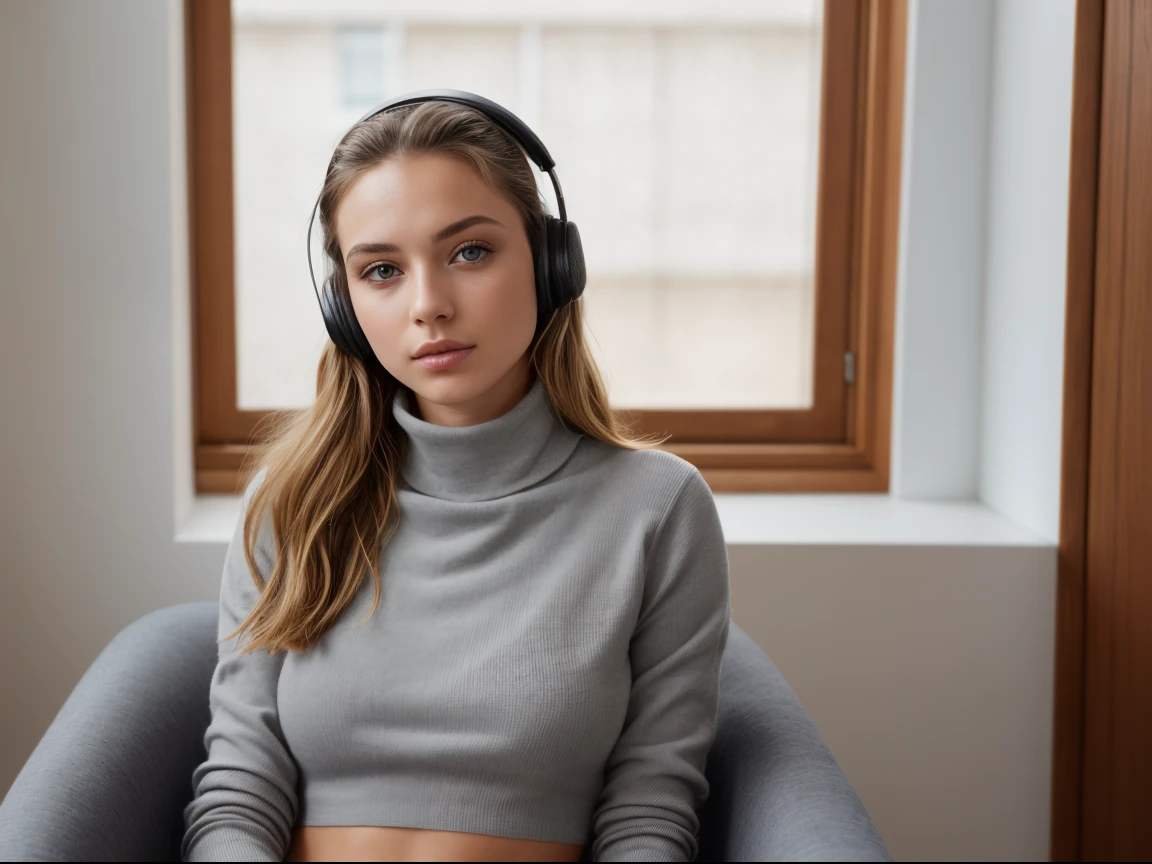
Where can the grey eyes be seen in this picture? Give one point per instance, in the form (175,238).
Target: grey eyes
(475,258)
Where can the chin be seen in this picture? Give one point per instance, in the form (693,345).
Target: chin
(448,388)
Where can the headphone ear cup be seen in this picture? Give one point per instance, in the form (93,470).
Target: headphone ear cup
(343,327)
(540,268)
(565,257)
(577,271)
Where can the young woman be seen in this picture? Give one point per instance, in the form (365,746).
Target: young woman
(532,672)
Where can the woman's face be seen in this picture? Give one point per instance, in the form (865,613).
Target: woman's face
(415,275)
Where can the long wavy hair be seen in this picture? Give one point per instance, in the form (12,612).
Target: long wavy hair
(330,471)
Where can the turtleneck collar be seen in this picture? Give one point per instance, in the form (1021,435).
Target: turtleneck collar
(487,460)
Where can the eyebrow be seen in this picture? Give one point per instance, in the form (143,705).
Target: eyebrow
(443,234)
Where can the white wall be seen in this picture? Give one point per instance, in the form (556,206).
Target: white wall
(983,231)
(86,441)
(928,668)
(1027,227)
(936,404)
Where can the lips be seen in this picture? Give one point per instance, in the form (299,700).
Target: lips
(445,359)
(429,348)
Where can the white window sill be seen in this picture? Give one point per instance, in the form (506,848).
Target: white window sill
(770,520)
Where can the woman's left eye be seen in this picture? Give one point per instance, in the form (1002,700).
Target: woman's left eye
(474,247)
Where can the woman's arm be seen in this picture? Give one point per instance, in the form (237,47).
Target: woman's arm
(654,778)
(244,794)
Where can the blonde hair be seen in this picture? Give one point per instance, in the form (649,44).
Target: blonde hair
(331,469)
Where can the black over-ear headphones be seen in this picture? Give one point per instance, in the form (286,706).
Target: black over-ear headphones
(558,262)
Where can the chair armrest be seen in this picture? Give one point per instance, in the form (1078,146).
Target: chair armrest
(110,778)
(777,793)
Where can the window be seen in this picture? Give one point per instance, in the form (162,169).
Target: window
(732,167)
(368,60)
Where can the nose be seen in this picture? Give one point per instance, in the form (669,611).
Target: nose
(431,293)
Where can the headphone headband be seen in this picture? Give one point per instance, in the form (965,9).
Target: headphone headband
(498,114)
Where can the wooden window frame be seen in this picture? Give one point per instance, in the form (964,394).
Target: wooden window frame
(840,444)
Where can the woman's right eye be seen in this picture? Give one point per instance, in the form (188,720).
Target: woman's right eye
(376,268)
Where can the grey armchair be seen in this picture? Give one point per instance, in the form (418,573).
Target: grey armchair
(110,778)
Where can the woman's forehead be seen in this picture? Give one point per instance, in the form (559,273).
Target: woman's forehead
(416,196)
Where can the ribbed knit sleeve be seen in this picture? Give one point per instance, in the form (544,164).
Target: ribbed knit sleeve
(654,777)
(244,793)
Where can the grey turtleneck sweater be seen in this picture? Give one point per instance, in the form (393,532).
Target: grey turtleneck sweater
(544,662)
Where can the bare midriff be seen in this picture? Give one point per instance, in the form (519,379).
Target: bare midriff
(370,843)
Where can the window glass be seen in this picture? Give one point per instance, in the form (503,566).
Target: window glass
(686,139)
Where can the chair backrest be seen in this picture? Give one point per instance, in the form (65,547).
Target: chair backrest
(776,792)
(110,778)
(112,775)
